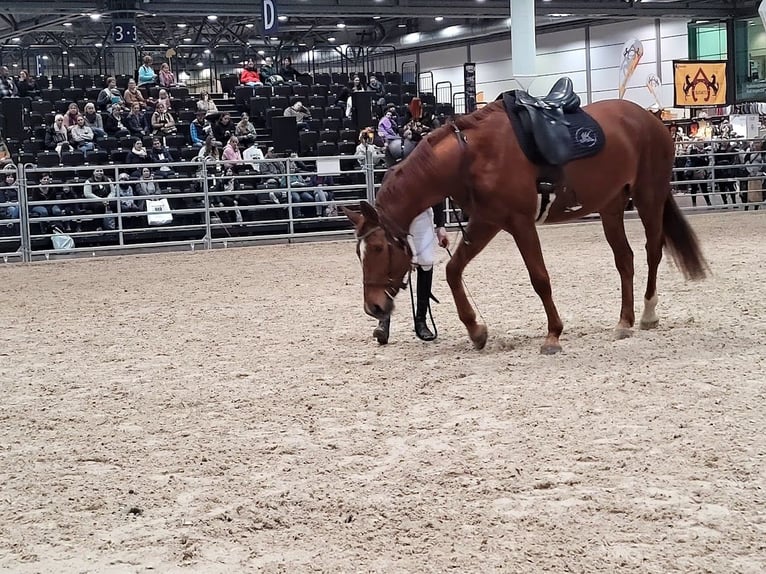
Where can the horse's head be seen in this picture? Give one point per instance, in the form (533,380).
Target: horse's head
(386,260)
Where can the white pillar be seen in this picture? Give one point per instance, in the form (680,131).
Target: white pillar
(762,12)
(523,45)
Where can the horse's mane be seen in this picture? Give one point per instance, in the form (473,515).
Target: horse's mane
(422,163)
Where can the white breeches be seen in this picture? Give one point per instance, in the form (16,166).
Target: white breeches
(423,239)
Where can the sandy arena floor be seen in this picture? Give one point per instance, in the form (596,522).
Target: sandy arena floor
(229,412)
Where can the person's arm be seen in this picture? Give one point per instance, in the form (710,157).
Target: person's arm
(156,123)
(439,220)
(87,191)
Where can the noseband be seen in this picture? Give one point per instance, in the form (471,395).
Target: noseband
(391,286)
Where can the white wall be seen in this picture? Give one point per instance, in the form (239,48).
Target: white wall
(565,54)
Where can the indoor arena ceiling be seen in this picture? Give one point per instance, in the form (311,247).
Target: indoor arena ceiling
(313,22)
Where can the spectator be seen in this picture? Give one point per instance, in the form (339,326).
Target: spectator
(146,75)
(163,123)
(27,86)
(72,113)
(94,121)
(7,85)
(9,193)
(137,123)
(231,155)
(223,129)
(161,154)
(137,154)
(164,98)
(198,130)
(209,150)
(44,192)
(125,193)
(133,95)
(245,131)
(99,189)
(356,84)
(82,136)
(287,71)
(146,185)
(109,96)
(300,113)
(57,136)
(254,155)
(387,129)
(206,103)
(269,73)
(249,75)
(376,86)
(114,125)
(167,79)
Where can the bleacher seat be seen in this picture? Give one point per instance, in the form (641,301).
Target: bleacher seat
(176,141)
(323,78)
(61,82)
(328,136)
(271,113)
(51,95)
(118,155)
(43,83)
(393,77)
(242,96)
(285,90)
(229,83)
(308,141)
(258,106)
(315,124)
(99,81)
(317,112)
(97,157)
(47,159)
(346,148)
(332,124)
(122,81)
(280,102)
(339,77)
(325,148)
(73,94)
(42,107)
(92,94)
(61,106)
(319,90)
(333,112)
(263,91)
(348,135)
(82,81)
(189,153)
(179,93)
(72,158)
(305,79)
(317,101)
(302,91)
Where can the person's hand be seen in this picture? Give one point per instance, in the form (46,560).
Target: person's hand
(441,236)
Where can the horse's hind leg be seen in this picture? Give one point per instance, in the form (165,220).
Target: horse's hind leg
(652,218)
(613,223)
(477,235)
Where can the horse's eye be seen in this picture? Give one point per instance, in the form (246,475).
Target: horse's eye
(377,248)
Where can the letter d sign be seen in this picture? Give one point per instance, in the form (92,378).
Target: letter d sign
(270,16)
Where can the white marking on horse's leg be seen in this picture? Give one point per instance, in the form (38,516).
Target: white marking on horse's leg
(649,318)
(362,250)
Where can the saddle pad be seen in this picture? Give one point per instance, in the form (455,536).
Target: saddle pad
(586,138)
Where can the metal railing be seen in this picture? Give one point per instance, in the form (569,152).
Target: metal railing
(201,205)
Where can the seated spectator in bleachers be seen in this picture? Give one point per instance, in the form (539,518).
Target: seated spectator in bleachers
(161,154)
(27,85)
(137,122)
(133,95)
(326,197)
(7,85)
(300,113)
(164,98)
(269,75)
(146,75)
(206,103)
(356,84)
(223,129)
(57,136)
(253,155)
(387,129)
(209,150)
(94,121)
(146,185)
(44,192)
(198,130)
(163,123)
(231,154)
(245,131)
(109,96)
(287,71)
(99,189)
(82,137)
(376,86)
(9,193)
(70,118)
(249,75)
(167,79)
(115,123)
(126,194)
(137,154)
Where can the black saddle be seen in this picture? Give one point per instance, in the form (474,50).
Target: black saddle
(552,130)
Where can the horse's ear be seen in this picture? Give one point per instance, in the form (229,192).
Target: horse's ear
(369,212)
(355,217)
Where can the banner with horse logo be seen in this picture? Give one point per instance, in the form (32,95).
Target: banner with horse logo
(699,83)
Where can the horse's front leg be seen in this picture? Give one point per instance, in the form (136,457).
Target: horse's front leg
(525,234)
(612,220)
(477,235)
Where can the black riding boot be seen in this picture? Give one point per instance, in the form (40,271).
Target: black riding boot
(425,279)
(381,331)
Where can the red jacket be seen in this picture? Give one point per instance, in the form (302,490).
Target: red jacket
(249,76)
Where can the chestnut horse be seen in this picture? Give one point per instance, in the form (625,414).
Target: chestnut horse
(479,163)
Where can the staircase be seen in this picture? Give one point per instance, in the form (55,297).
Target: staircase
(263,135)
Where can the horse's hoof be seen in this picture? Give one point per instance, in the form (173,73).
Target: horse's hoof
(646,325)
(622,333)
(479,337)
(549,349)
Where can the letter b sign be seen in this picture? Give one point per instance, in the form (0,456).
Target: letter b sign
(270,22)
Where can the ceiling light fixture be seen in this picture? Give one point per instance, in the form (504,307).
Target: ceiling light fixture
(212,17)
(331,39)
(340,25)
(181,25)
(439,18)
(207,50)
(200,64)
(67,24)
(95,16)
(282,18)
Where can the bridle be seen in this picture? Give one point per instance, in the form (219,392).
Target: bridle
(391,286)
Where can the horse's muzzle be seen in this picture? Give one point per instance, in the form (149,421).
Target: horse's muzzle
(378,311)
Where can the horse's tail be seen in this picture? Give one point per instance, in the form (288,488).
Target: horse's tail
(682,242)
